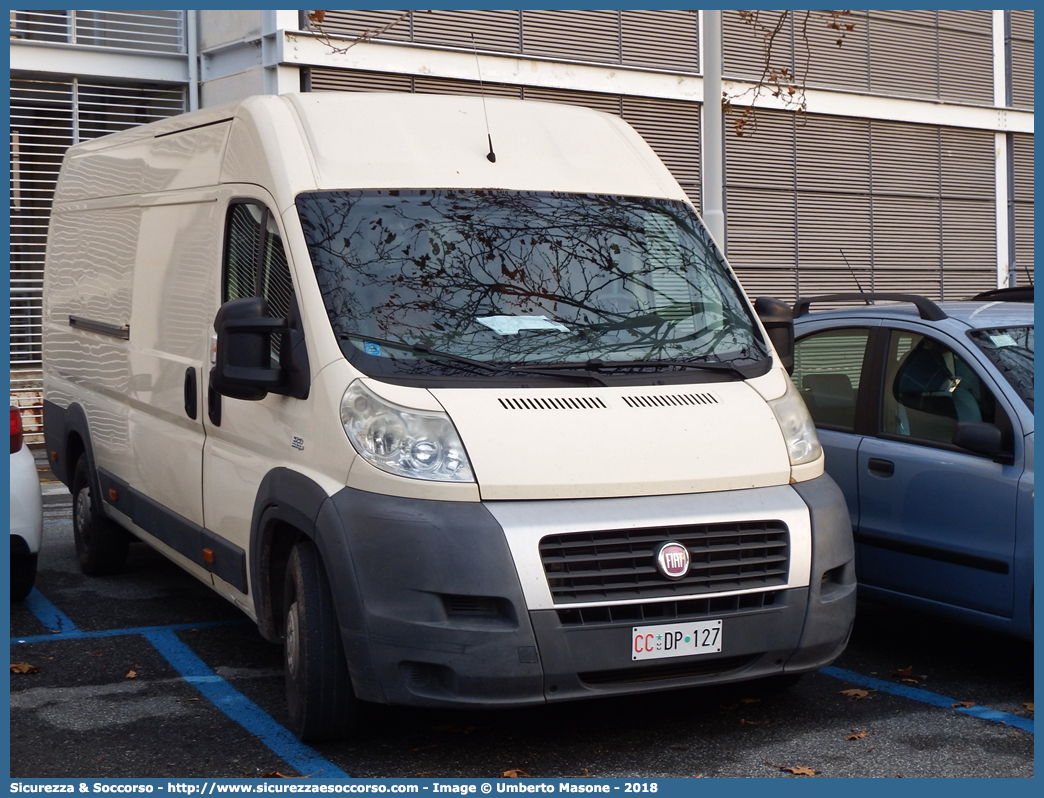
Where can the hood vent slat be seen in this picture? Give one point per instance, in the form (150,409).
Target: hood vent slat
(671,400)
(553,403)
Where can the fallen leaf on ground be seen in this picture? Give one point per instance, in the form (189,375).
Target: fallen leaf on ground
(800,771)
(855,693)
(23,667)
(965,704)
(585,773)
(754,722)
(131,675)
(909,681)
(1028,706)
(856,735)
(275,774)
(514,773)
(907,671)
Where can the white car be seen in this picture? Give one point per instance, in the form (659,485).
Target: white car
(26,512)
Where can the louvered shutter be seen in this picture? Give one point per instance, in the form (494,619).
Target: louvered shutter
(844,66)
(47,116)
(326,79)
(608,103)
(969,223)
(966,56)
(660,40)
(470,88)
(905,184)
(592,36)
(1022,58)
(494,31)
(387,25)
(901,54)
(834,222)
(1024,226)
(743,46)
(153,31)
(761,207)
(672,128)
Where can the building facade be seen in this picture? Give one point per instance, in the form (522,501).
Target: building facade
(909,165)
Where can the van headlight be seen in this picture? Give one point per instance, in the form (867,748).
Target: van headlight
(408,443)
(798,429)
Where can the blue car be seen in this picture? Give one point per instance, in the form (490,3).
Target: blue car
(925,411)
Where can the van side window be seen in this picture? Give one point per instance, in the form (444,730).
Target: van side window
(255,261)
(827,366)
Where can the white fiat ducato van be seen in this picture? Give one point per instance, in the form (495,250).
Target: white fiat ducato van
(458,425)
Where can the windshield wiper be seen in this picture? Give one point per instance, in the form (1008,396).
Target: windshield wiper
(479,364)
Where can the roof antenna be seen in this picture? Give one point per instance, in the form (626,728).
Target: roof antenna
(490,156)
(854,277)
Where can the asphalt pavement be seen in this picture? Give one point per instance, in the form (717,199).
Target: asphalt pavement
(150,674)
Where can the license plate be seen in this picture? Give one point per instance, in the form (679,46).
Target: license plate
(676,640)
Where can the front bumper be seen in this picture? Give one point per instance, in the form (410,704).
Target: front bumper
(437,607)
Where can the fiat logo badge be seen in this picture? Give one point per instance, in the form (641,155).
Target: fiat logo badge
(673,560)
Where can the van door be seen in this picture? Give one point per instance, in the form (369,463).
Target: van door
(245,439)
(175,290)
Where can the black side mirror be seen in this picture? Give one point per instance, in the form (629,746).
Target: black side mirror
(979,437)
(778,319)
(245,367)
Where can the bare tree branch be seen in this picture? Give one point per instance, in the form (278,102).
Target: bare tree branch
(779,78)
(316,18)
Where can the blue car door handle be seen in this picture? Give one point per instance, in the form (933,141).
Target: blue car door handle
(883,468)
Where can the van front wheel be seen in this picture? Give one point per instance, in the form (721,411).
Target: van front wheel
(319,693)
(101,545)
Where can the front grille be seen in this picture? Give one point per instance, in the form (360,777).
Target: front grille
(683,610)
(620,565)
(657,673)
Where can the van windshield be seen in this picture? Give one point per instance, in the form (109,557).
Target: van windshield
(422,281)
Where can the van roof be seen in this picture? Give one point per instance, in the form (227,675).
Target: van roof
(357,140)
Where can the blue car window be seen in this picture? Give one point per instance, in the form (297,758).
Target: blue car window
(827,366)
(929,389)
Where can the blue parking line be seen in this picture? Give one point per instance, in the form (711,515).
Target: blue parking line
(196,672)
(241,709)
(49,615)
(927,697)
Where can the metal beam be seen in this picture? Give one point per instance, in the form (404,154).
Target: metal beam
(98,62)
(305,49)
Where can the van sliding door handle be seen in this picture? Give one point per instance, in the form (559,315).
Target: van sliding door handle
(190,393)
(883,468)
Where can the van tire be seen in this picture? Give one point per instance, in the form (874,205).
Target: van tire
(321,703)
(101,544)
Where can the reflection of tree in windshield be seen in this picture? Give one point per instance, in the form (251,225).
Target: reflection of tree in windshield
(511,277)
